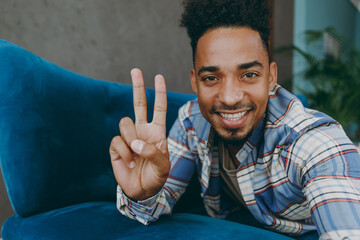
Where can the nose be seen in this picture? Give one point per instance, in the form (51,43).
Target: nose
(230,92)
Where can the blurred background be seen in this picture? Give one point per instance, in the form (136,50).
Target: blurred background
(106,39)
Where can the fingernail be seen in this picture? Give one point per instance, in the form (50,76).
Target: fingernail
(114,155)
(132,164)
(137,146)
(135,71)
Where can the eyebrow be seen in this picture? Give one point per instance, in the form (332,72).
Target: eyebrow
(208,69)
(239,67)
(250,65)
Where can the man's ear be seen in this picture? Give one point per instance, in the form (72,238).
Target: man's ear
(193,81)
(272,75)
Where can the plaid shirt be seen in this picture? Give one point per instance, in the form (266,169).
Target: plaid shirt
(298,171)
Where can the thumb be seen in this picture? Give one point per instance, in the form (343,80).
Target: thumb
(138,146)
(160,162)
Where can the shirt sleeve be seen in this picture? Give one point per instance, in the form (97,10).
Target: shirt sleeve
(182,169)
(331,181)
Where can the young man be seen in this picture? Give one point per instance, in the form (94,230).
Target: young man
(252,143)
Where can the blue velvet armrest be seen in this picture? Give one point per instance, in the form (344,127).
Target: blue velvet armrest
(56,127)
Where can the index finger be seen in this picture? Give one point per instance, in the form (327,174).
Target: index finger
(139,96)
(160,105)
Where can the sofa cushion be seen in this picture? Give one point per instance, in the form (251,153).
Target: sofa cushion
(101,220)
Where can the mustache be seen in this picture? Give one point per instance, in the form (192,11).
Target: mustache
(235,107)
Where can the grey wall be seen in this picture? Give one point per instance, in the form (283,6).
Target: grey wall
(282,35)
(105,39)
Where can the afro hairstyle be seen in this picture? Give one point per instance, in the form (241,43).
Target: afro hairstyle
(200,16)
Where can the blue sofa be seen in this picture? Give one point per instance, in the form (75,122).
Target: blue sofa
(55,131)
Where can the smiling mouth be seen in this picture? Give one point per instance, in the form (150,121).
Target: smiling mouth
(234,116)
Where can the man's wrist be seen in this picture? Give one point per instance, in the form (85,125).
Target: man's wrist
(146,200)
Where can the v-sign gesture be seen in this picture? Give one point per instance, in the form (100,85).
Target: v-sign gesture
(140,157)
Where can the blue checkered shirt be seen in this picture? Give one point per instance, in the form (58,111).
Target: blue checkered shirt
(298,171)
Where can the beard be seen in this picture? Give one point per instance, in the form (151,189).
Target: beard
(233,139)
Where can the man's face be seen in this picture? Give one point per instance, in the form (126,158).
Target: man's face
(232,78)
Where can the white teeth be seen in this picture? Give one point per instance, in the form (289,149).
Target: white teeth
(233,117)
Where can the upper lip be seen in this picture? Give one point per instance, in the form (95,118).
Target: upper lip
(233,112)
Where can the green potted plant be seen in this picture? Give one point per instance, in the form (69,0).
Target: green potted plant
(334,78)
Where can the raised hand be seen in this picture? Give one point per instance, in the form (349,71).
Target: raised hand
(140,157)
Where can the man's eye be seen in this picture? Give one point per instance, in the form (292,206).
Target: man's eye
(209,78)
(250,75)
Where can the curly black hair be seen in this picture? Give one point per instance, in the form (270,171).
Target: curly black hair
(202,15)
